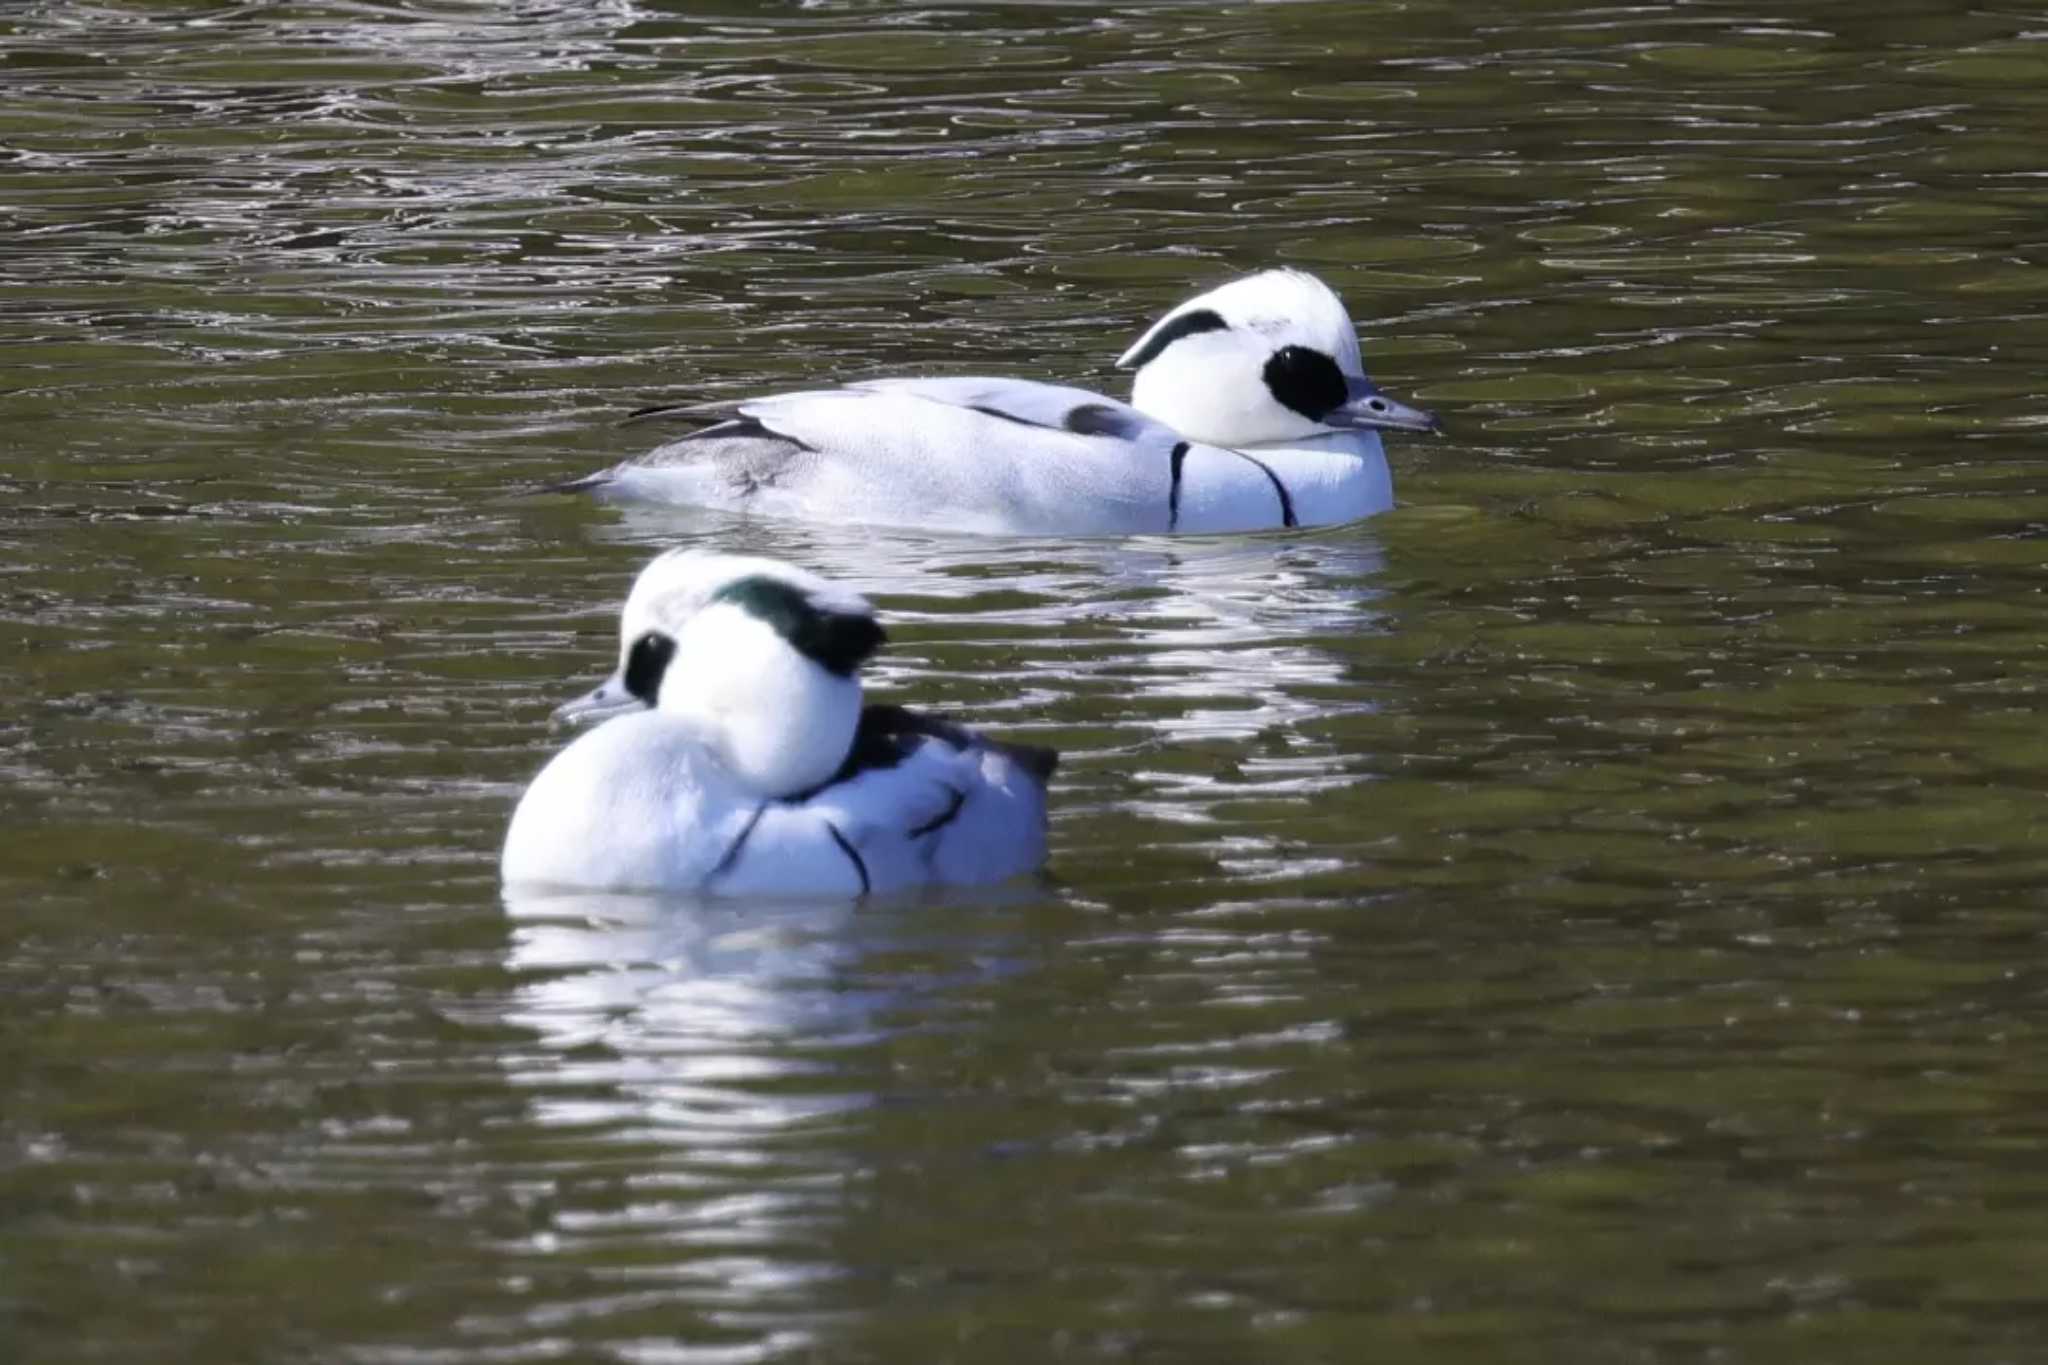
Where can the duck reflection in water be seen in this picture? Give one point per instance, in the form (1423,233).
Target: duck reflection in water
(697,1061)
(1223,638)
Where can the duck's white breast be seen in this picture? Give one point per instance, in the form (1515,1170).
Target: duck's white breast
(638,804)
(634,804)
(1332,479)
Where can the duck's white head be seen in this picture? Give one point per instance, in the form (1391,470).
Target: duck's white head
(759,655)
(1270,357)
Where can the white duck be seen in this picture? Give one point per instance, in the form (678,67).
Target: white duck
(1250,410)
(739,759)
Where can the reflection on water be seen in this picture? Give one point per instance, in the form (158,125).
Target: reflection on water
(700,1037)
(1192,618)
(726,1051)
(1204,642)
(636,973)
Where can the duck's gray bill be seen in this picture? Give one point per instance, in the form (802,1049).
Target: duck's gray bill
(1365,408)
(608,698)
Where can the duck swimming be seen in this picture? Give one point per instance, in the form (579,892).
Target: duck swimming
(1250,410)
(737,756)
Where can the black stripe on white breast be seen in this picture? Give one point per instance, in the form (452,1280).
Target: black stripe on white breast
(860,864)
(1287,517)
(1176,462)
(732,852)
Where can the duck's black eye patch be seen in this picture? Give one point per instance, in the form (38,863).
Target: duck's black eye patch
(837,641)
(1306,380)
(1186,325)
(646,663)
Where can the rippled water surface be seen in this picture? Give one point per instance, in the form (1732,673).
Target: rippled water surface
(1592,913)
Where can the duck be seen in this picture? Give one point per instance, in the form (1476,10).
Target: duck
(1250,410)
(734,753)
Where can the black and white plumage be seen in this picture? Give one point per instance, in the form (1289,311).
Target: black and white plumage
(1250,410)
(737,756)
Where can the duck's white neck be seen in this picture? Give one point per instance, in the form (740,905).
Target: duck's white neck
(782,723)
(781,750)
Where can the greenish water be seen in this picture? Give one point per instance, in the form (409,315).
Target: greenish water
(1593,913)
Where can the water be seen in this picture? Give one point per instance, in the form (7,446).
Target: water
(1589,914)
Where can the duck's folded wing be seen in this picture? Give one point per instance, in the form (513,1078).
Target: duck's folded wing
(785,417)
(926,800)
(1033,418)
(907,453)
(1023,402)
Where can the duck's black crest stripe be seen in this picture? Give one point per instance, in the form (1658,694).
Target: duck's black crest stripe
(1187,324)
(1286,499)
(838,641)
(732,854)
(943,818)
(1176,461)
(859,863)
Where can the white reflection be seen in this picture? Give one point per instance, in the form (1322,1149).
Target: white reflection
(1306,580)
(678,1009)
(722,1022)
(687,1058)
(689,1034)
(1215,639)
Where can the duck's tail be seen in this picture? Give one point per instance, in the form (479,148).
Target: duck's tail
(587,484)
(660,412)
(1035,759)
